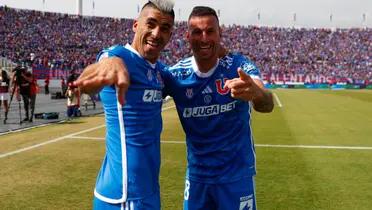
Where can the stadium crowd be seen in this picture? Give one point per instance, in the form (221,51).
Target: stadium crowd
(60,41)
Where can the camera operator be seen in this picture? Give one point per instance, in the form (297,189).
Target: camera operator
(4,92)
(27,88)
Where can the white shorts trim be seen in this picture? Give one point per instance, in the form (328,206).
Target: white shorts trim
(108,200)
(4,96)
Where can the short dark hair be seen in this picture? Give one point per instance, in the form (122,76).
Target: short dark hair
(200,11)
(166,7)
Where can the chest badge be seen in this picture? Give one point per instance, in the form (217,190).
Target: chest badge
(149,75)
(189,93)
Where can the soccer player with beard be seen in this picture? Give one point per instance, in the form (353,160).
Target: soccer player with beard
(214,98)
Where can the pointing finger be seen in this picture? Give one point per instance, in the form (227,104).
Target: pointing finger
(244,76)
(227,83)
(122,84)
(121,95)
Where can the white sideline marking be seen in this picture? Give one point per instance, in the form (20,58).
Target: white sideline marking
(29,128)
(101,138)
(315,147)
(87,137)
(277,100)
(74,136)
(61,138)
(166,108)
(259,145)
(173,142)
(39,126)
(49,142)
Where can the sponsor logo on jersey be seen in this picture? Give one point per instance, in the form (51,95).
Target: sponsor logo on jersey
(189,92)
(205,111)
(219,87)
(207,99)
(207,90)
(246,203)
(152,96)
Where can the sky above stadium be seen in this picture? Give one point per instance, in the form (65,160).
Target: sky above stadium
(284,13)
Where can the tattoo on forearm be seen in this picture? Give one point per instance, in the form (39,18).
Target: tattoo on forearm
(265,104)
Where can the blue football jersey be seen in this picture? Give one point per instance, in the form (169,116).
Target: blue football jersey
(218,132)
(130,169)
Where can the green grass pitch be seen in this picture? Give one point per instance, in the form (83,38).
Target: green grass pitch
(313,152)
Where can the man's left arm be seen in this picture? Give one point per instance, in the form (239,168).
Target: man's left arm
(248,89)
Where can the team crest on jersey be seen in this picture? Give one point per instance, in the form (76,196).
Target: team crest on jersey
(219,86)
(189,92)
(149,75)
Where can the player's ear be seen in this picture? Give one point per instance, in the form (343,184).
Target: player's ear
(135,25)
(187,34)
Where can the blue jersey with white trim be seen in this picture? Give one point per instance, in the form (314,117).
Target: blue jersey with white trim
(218,132)
(131,165)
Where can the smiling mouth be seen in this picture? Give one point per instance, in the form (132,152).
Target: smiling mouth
(153,44)
(205,47)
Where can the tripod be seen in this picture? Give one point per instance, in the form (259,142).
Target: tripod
(19,105)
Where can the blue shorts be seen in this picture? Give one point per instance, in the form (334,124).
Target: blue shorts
(150,203)
(239,195)
(72,111)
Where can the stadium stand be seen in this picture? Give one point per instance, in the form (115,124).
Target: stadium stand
(68,42)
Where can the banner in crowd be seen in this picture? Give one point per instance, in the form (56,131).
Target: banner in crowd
(272,78)
(53,73)
(304,78)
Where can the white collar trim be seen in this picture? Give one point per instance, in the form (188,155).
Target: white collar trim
(202,74)
(129,47)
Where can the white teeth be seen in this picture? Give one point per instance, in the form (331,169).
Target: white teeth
(152,43)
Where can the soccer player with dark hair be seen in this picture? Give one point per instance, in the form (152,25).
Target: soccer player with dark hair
(214,98)
(129,176)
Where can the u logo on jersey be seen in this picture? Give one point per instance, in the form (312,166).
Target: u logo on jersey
(219,87)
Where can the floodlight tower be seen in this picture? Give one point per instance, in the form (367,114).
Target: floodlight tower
(79,7)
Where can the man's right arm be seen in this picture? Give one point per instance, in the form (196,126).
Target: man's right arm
(108,71)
